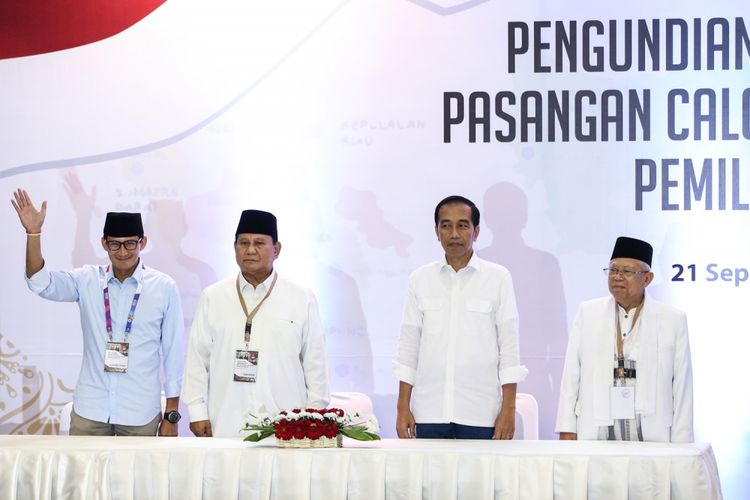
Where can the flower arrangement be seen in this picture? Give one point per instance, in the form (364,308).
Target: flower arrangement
(311,427)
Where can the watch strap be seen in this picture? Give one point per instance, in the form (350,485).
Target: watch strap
(169,416)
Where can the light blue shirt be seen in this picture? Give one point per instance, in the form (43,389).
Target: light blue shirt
(134,397)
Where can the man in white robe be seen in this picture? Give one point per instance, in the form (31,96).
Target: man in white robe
(652,359)
(256,343)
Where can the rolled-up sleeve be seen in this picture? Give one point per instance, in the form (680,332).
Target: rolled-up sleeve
(510,370)
(405,365)
(60,286)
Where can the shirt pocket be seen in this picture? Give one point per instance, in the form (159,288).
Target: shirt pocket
(432,315)
(279,337)
(480,317)
(481,306)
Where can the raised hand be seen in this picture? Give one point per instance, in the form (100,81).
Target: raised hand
(31,218)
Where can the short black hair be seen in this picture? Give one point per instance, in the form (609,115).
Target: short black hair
(458,199)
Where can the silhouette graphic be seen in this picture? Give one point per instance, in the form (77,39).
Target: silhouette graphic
(539,293)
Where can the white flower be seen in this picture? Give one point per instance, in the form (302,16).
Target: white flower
(356,419)
(260,418)
(372,425)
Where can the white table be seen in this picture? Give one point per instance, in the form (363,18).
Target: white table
(184,468)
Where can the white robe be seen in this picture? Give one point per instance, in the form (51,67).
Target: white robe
(292,365)
(664,381)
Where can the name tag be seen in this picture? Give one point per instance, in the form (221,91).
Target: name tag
(622,403)
(116,357)
(245,366)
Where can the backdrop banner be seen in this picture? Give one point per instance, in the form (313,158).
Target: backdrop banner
(568,123)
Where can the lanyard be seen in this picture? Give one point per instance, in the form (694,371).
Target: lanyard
(618,336)
(108,307)
(251,314)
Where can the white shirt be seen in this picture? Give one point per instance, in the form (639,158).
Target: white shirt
(629,332)
(292,366)
(459,342)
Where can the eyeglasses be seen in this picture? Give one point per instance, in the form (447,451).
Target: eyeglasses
(115,245)
(625,273)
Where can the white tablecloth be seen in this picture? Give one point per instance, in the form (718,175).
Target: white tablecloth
(185,468)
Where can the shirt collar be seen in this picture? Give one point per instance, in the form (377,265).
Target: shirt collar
(137,275)
(473,263)
(621,310)
(265,285)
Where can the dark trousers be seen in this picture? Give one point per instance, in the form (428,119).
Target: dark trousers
(453,431)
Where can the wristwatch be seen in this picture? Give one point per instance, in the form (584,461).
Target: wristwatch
(172,416)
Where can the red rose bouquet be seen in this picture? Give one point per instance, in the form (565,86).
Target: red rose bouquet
(311,427)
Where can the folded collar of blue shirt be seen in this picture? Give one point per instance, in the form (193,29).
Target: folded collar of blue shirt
(137,275)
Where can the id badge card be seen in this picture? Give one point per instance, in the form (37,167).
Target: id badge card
(622,403)
(245,366)
(116,357)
